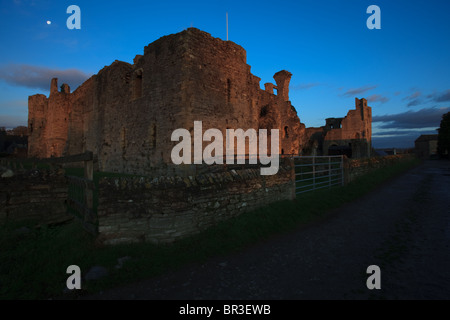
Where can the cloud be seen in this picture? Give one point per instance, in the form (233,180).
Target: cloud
(424,118)
(356,91)
(377,98)
(304,86)
(398,138)
(414,102)
(39,77)
(440,97)
(413,96)
(414,99)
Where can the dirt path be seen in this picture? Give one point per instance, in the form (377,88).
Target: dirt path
(403,227)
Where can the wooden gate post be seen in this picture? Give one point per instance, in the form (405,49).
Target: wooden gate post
(89,193)
(293,177)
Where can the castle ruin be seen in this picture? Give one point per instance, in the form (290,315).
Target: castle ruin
(350,136)
(126,113)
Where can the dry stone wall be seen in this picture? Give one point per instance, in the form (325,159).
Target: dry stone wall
(358,167)
(35,196)
(164,209)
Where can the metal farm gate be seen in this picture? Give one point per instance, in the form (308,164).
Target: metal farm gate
(312,173)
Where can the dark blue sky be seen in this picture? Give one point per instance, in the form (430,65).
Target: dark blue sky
(402,69)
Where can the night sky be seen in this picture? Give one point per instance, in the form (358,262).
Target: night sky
(402,69)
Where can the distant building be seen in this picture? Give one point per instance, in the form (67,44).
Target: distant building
(426,146)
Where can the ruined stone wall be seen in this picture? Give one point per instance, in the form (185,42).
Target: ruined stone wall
(126,113)
(57,120)
(357,125)
(164,209)
(48,121)
(79,115)
(354,132)
(223,93)
(314,141)
(108,118)
(156,107)
(37,120)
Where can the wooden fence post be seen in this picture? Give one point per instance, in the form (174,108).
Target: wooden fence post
(292,163)
(89,193)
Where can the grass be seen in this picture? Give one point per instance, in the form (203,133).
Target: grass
(33,264)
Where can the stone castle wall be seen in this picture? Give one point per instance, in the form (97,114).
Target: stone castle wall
(126,113)
(351,135)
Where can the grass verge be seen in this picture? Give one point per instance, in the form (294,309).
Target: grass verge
(33,262)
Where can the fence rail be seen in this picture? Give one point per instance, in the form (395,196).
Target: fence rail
(312,173)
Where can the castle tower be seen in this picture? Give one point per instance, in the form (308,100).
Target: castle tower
(282,78)
(54,86)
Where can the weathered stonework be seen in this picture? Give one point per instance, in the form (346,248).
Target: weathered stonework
(164,209)
(37,195)
(354,168)
(350,135)
(126,113)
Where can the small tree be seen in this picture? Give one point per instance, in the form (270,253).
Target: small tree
(444,136)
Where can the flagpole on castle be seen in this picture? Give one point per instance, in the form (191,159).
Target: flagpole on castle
(227,26)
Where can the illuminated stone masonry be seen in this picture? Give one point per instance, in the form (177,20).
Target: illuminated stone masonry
(126,113)
(350,136)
